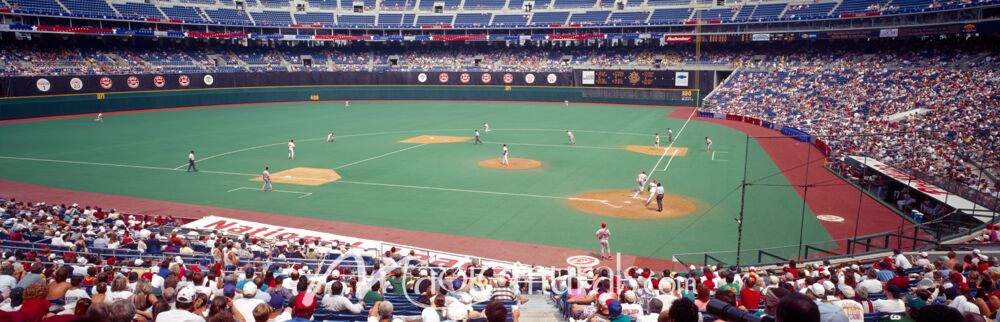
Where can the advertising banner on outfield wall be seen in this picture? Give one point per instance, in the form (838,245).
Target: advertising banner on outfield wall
(278,233)
(667,79)
(49,85)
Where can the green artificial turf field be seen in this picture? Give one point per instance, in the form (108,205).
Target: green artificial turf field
(433,187)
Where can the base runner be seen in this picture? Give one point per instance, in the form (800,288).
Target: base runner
(652,191)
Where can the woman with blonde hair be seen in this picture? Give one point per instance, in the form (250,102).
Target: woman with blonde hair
(119,290)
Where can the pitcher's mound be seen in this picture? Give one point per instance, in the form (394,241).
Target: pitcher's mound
(513,164)
(652,150)
(302,176)
(619,204)
(428,139)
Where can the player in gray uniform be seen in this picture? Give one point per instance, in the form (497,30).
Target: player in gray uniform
(266,176)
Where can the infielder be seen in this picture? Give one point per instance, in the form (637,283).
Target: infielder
(266,176)
(291,149)
(652,191)
(191,162)
(478,141)
(100,118)
(708,144)
(486,127)
(503,158)
(656,141)
(572,139)
(641,180)
(670,135)
(330,137)
(602,236)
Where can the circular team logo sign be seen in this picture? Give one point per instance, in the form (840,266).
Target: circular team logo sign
(184,80)
(530,78)
(133,82)
(508,78)
(208,79)
(159,81)
(487,78)
(422,77)
(43,85)
(106,82)
(443,78)
(582,261)
(464,77)
(76,84)
(551,78)
(830,218)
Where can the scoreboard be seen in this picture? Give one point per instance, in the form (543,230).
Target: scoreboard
(635,78)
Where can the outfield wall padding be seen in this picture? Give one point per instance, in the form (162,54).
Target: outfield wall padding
(53,105)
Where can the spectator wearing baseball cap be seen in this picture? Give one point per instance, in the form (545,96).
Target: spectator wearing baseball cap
(248,302)
(829,312)
(279,308)
(305,305)
(182,312)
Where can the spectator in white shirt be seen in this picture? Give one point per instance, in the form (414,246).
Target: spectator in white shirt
(336,302)
(246,304)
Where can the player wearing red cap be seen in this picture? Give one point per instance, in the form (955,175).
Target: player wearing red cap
(602,236)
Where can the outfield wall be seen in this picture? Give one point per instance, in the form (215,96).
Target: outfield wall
(266,87)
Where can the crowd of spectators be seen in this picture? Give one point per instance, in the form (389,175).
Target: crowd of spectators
(81,263)
(930,112)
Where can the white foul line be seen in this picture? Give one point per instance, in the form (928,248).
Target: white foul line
(650,177)
(303,194)
(379,156)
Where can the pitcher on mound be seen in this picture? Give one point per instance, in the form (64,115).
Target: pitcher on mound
(503,157)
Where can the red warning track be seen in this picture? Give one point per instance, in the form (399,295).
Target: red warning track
(828,198)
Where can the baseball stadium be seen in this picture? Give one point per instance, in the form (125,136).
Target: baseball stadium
(499,160)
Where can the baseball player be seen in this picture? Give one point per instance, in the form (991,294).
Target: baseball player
(191,162)
(266,176)
(572,139)
(486,127)
(347,104)
(708,144)
(656,143)
(652,191)
(602,236)
(478,141)
(503,158)
(330,137)
(100,118)
(291,149)
(641,180)
(670,135)
(566,102)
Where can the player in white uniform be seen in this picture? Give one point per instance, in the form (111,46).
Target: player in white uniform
(656,141)
(641,180)
(266,176)
(503,158)
(291,149)
(708,144)
(100,118)
(347,103)
(652,191)
(486,127)
(670,135)
(602,236)
(478,141)
(572,139)
(566,103)
(330,137)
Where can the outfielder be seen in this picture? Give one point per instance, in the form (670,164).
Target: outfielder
(572,139)
(291,149)
(478,141)
(266,176)
(330,137)
(100,118)
(708,144)
(503,158)
(191,162)
(656,141)
(566,102)
(670,135)
(486,127)
(347,103)
(641,180)
(602,236)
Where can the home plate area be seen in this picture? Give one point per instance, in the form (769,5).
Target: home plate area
(302,176)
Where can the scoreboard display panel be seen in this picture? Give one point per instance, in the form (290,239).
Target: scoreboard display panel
(635,78)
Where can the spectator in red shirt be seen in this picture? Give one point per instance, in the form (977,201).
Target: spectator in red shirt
(750,294)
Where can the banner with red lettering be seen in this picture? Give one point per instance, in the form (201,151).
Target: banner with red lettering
(950,199)
(272,232)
